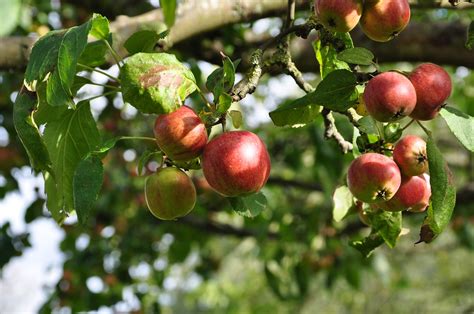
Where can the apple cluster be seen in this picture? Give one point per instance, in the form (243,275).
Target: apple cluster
(421,94)
(380,20)
(235,163)
(393,184)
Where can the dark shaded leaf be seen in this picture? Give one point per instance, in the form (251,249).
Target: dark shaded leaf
(87,182)
(356,55)
(296,113)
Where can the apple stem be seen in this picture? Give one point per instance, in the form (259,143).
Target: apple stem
(408,124)
(428,132)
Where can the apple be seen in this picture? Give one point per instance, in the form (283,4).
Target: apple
(339,15)
(236,163)
(423,204)
(414,193)
(382,20)
(181,135)
(410,155)
(169,193)
(373,178)
(433,87)
(389,96)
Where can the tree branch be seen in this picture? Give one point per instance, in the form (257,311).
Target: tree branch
(442,44)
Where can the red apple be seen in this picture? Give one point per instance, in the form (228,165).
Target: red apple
(410,155)
(236,163)
(339,15)
(414,193)
(181,135)
(382,20)
(389,96)
(169,193)
(433,86)
(373,178)
(423,204)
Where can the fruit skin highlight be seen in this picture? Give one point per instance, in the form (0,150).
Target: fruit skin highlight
(382,20)
(410,155)
(181,135)
(389,96)
(414,194)
(169,193)
(433,87)
(373,178)
(236,163)
(339,15)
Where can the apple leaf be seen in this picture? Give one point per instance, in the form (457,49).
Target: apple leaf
(326,54)
(69,140)
(249,206)
(470,36)
(343,201)
(143,41)
(237,119)
(337,91)
(156,82)
(145,158)
(169,11)
(296,113)
(54,201)
(443,195)
(54,58)
(225,101)
(387,224)
(27,130)
(222,79)
(367,245)
(87,182)
(94,54)
(461,124)
(357,55)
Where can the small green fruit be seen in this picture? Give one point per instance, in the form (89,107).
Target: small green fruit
(169,193)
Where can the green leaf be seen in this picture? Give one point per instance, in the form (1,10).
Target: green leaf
(45,112)
(387,224)
(367,245)
(327,55)
(337,91)
(100,27)
(54,58)
(94,54)
(356,55)
(87,182)
(225,101)
(470,36)
(69,140)
(54,200)
(461,124)
(145,158)
(222,79)
(169,11)
(443,194)
(156,82)
(28,132)
(249,206)
(9,15)
(343,201)
(298,112)
(237,119)
(143,41)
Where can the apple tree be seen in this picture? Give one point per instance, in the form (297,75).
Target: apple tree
(169,166)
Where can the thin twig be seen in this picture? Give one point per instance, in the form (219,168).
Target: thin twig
(332,132)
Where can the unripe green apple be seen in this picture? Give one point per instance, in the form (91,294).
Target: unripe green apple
(433,87)
(389,96)
(382,20)
(339,15)
(181,135)
(169,193)
(414,193)
(236,163)
(410,155)
(373,178)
